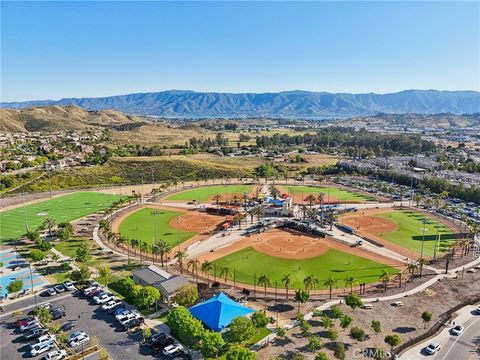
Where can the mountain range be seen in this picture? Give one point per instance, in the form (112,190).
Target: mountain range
(288,104)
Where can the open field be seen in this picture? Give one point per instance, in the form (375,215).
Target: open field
(335,263)
(63,208)
(332,194)
(403,228)
(208,193)
(140,225)
(278,252)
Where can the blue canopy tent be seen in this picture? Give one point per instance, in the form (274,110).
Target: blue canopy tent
(218,311)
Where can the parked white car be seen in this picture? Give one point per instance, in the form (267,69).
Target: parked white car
(457,330)
(102,299)
(69,286)
(43,339)
(172,349)
(77,338)
(55,355)
(128,317)
(41,348)
(30,325)
(110,305)
(89,290)
(433,348)
(122,315)
(51,291)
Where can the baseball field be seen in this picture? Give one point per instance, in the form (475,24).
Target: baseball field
(64,208)
(208,193)
(172,225)
(331,194)
(335,263)
(404,228)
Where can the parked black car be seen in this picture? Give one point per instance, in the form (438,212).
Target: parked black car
(159,345)
(133,323)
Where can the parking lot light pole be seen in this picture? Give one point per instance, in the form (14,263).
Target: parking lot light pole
(31,283)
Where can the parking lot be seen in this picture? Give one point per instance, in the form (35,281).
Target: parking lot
(87,317)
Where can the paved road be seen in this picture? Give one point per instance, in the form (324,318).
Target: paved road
(463,347)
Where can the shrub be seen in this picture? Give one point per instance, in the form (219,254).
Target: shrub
(339,351)
(305,328)
(376,326)
(357,333)
(44,246)
(314,343)
(260,319)
(299,316)
(37,255)
(336,312)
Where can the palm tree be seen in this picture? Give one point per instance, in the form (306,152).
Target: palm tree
(103,226)
(448,260)
(49,223)
(235,199)
(134,244)
(144,248)
(412,268)
(110,236)
(193,265)
(310,282)
(264,280)
(350,281)
(321,199)
(207,268)
(417,198)
(304,210)
(238,218)
(217,198)
(311,199)
(163,248)
(225,272)
(385,277)
(421,264)
(275,192)
(330,218)
(287,281)
(330,283)
(464,245)
(180,255)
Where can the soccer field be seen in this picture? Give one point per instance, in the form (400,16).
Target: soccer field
(335,263)
(208,192)
(140,225)
(335,193)
(63,208)
(409,233)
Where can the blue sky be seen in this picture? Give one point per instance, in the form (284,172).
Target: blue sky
(51,50)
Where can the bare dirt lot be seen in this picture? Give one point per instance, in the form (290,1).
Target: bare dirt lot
(404,321)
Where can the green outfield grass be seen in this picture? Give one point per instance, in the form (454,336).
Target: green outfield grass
(64,208)
(333,263)
(207,192)
(338,194)
(409,233)
(140,226)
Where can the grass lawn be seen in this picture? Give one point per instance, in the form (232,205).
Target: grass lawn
(69,247)
(64,208)
(338,194)
(140,226)
(205,193)
(409,233)
(333,263)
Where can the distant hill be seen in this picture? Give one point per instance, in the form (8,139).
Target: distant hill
(439,121)
(57,118)
(289,104)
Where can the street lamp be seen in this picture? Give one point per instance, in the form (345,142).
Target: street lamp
(423,237)
(31,283)
(154,213)
(178,232)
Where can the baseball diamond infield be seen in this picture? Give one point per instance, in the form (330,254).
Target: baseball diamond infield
(208,193)
(299,193)
(402,230)
(139,224)
(279,252)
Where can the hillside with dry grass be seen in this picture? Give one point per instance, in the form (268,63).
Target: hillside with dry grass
(59,118)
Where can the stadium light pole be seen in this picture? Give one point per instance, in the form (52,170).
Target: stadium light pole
(154,213)
(423,238)
(25,212)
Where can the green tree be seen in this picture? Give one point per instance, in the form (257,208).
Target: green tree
(426,317)
(184,326)
(187,295)
(83,253)
(34,236)
(332,334)
(147,333)
(321,356)
(287,281)
(105,274)
(54,328)
(280,331)
(305,328)
(350,281)
(345,321)
(125,287)
(225,273)
(337,313)
(37,255)
(327,323)
(393,340)
(376,326)
(264,280)
(260,319)
(49,223)
(314,343)
(15,286)
(80,275)
(147,296)
(240,329)
(310,282)
(301,296)
(239,353)
(44,246)
(330,283)
(353,300)
(211,343)
(357,333)
(43,314)
(339,351)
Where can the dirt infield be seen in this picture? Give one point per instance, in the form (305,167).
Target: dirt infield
(366,224)
(292,245)
(302,198)
(190,220)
